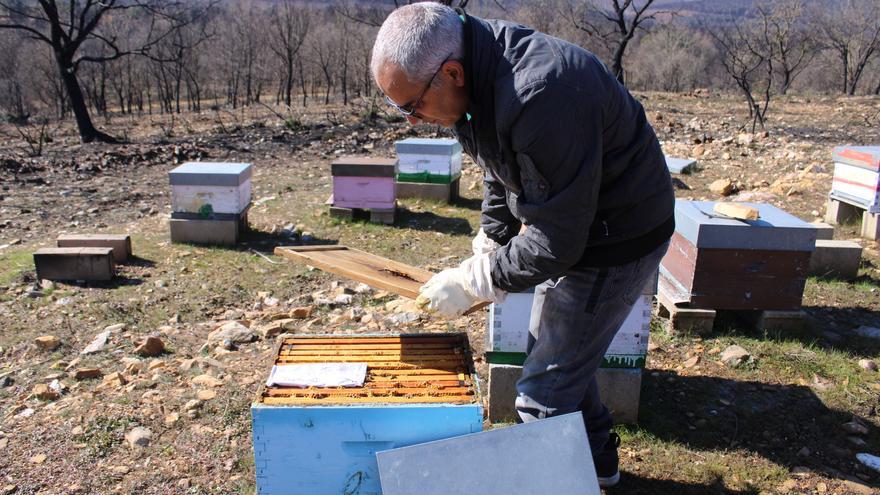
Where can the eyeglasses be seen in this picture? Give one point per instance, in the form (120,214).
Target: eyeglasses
(410,109)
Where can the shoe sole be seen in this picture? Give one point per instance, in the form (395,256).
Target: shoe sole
(609,481)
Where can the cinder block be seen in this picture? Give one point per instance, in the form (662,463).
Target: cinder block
(836,259)
(620,389)
(217,232)
(824,231)
(502,392)
(75,263)
(781,321)
(838,212)
(871,225)
(121,243)
(374,215)
(441,192)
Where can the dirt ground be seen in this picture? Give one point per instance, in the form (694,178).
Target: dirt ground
(790,420)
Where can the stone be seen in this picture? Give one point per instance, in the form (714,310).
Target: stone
(43,392)
(115,328)
(207,381)
(302,312)
(233,331)
(735,355)
(868,332)
(97,344)
(854,488)
(723,187)
(206,395)
(8,489)
(855,428)
(171,418)
(868,364)
(48,342)
(691,362)
(39,458)
(114,380)
(139,437)
(151,347)
(277,327)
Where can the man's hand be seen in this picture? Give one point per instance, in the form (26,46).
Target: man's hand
(452,292)
(481,244)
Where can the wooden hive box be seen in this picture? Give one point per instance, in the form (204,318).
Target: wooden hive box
(364,183)
(434,161)
(857,176)
(715,262)
(207,188)
(317,441)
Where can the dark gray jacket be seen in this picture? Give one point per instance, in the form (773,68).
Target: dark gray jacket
(565,150)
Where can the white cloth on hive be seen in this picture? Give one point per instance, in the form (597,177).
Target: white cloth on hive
(318,375)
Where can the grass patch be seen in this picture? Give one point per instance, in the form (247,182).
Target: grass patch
(14,264)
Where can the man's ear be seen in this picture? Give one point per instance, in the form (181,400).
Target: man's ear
(455,71)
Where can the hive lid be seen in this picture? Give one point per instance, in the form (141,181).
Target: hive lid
(364,167)
(210,174)
(775,230)
(859,156)
(401,369)
(428,146)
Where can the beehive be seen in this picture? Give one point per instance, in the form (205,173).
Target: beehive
(365,183)
(418,388)
(857,176)
(426,160)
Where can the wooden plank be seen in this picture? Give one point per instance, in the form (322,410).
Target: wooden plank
(368,391)
(736,210)
(303,401)
(375,271)
(414,339)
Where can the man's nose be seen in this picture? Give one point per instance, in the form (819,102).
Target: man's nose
(412,119)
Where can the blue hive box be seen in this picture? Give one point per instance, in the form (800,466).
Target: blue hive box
(316,441)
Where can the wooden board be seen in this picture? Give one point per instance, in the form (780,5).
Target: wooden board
(375,271)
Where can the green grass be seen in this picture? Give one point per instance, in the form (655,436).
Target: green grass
(14,264)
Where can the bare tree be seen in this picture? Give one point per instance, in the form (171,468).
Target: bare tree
(69,26)
(373,13)
(288,29)
(614,26)
(852,30)
(788,36)
(672,58)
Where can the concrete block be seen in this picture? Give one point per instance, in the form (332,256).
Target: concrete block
(121,243)
(217,232)
(838,212)
(75,263)
(441,192)
(838,259)
(782,321)
(871,225)
(620,389)
(502,392)
(374,215)
(824,231)
(680,165)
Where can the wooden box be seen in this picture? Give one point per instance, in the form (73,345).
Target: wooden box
(364,183)
(716,262)
(207,188)
(318,441)
(431,161)
(856,176)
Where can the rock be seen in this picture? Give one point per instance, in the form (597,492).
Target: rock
(744,139)
(302,312)
(362,289)
(139,436)
(171,418)
(869,332)
(151,347)
(86,373)
(6,381)
(735,355)
(855,428)
(343,299)
(39,458)
(115,328)
(113,380)
(8,489)
(233,331)
(690,363)
(851,487)
(868,364)
(872,461)
(97,344)
(206,395)
(207,381)
(723,187)
(270,302)
(801,472)
(277,327)
(48,342)
(43,392)
(698,151)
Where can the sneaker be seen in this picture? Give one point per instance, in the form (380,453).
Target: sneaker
(606,462)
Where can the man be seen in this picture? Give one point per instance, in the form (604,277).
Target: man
(578,202)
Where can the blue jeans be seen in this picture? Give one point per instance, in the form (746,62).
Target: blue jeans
(574,318)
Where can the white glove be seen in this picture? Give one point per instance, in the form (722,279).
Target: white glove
(453,291)
(481,244)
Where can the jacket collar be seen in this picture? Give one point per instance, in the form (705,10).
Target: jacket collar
(480,64)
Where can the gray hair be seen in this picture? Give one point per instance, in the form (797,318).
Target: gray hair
(416,38)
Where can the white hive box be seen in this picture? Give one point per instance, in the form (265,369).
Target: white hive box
(208,188)
(857,176)
(436,161)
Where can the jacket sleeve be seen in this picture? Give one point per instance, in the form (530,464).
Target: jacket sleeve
(496,220)
(557,138)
